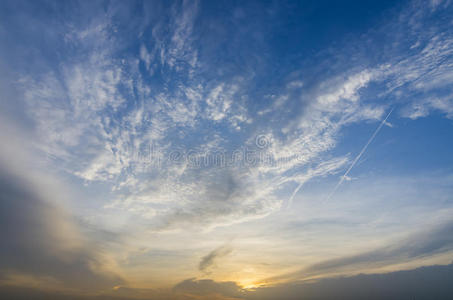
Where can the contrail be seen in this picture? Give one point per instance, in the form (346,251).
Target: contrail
(358,156)
(290,200)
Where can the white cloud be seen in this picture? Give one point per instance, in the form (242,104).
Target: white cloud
(145,56)
(103,112)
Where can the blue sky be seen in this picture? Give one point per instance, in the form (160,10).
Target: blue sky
(227,141)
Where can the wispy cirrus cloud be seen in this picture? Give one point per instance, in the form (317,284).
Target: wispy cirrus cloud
(164,118)
(167,124)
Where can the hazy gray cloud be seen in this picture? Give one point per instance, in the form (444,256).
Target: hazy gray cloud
(41,243)
(39,240)
(433,282)
(209,287)
(210,259)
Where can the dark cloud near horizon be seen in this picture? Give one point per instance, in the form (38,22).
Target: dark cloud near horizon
(209,287)
(422,244)
(39,239)
(431,282)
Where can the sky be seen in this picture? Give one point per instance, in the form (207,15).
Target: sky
(226,149)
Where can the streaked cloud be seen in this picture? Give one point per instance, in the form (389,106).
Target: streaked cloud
(422,244)
(212,257)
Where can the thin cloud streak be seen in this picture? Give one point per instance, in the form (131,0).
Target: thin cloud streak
(358,156)
(425,243)
(210,259)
